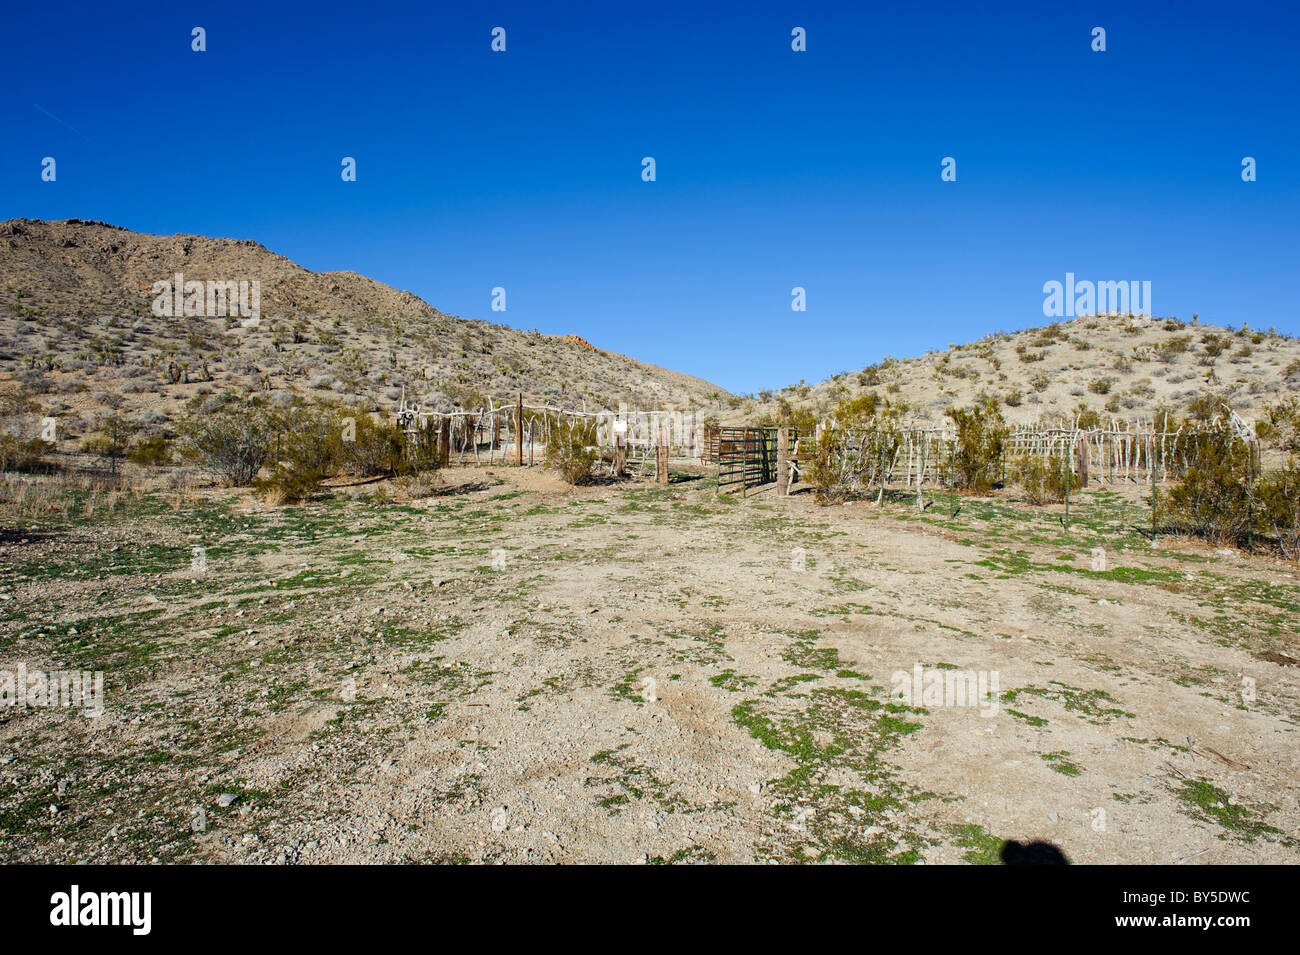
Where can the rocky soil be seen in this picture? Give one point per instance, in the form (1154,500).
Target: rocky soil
(507,670)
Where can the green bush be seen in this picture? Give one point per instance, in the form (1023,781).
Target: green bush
(1278,493)
(1169,350)
(857,450)
(1212,500)
(1279,508)
(309,446)
(151,452)
(112,442)
(981,439)
(570,449)
(23,454)
(373,447)
(230,437)
(1045,480)
(304,444)
(1225,495)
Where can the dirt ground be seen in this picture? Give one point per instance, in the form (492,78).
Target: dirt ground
(513,671)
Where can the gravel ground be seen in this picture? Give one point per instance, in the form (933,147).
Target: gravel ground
(513,671)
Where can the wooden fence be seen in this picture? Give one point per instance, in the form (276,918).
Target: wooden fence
(518,432)
(1118,451)
(1139,451)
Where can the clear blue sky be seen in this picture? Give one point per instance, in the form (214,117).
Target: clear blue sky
(775,169)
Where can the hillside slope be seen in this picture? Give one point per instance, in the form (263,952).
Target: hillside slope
(77,326)
(1117,365)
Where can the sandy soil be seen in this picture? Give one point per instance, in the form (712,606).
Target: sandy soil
(514,671)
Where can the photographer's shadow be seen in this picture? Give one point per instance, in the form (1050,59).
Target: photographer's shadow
(1032,853)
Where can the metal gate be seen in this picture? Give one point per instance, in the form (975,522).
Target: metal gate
(746,456)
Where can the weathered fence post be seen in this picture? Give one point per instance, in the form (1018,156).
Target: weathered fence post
(1068,475)
(783,462)
(519,428)
(661,457)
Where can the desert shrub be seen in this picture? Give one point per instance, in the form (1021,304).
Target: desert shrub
(1087,418)
(376,448)
(981,438)
(287,484)
(1278,492)
(414,487)
(1170,349)
(111,442)
(870,376)
(1101,386)
(570,449)
(15,400)
(229,437)
(1048,335)
(803,418)
(154,451)
(309,446)
(1044,480)
(1213,499)
(857,450)
(1280,427)
(1278,497)
(1214,345)
(316,440)
(21,449)
(22,454)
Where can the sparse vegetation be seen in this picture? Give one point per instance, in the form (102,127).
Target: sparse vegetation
(571,451)
(230,437)
(1045,479)
(575,670)
(981,437)
(857,448)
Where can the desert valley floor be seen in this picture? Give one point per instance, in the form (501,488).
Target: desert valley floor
(512,670)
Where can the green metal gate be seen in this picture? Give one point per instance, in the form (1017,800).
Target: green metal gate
(746,456)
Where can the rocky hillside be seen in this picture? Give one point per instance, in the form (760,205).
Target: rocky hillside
(78,329)
(1121,365)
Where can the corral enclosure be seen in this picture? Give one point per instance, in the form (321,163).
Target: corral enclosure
(1134,451)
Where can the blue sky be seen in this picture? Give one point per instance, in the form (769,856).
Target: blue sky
(775,169)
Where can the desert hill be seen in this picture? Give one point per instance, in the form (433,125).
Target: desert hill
(77,325)
(1126,366)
